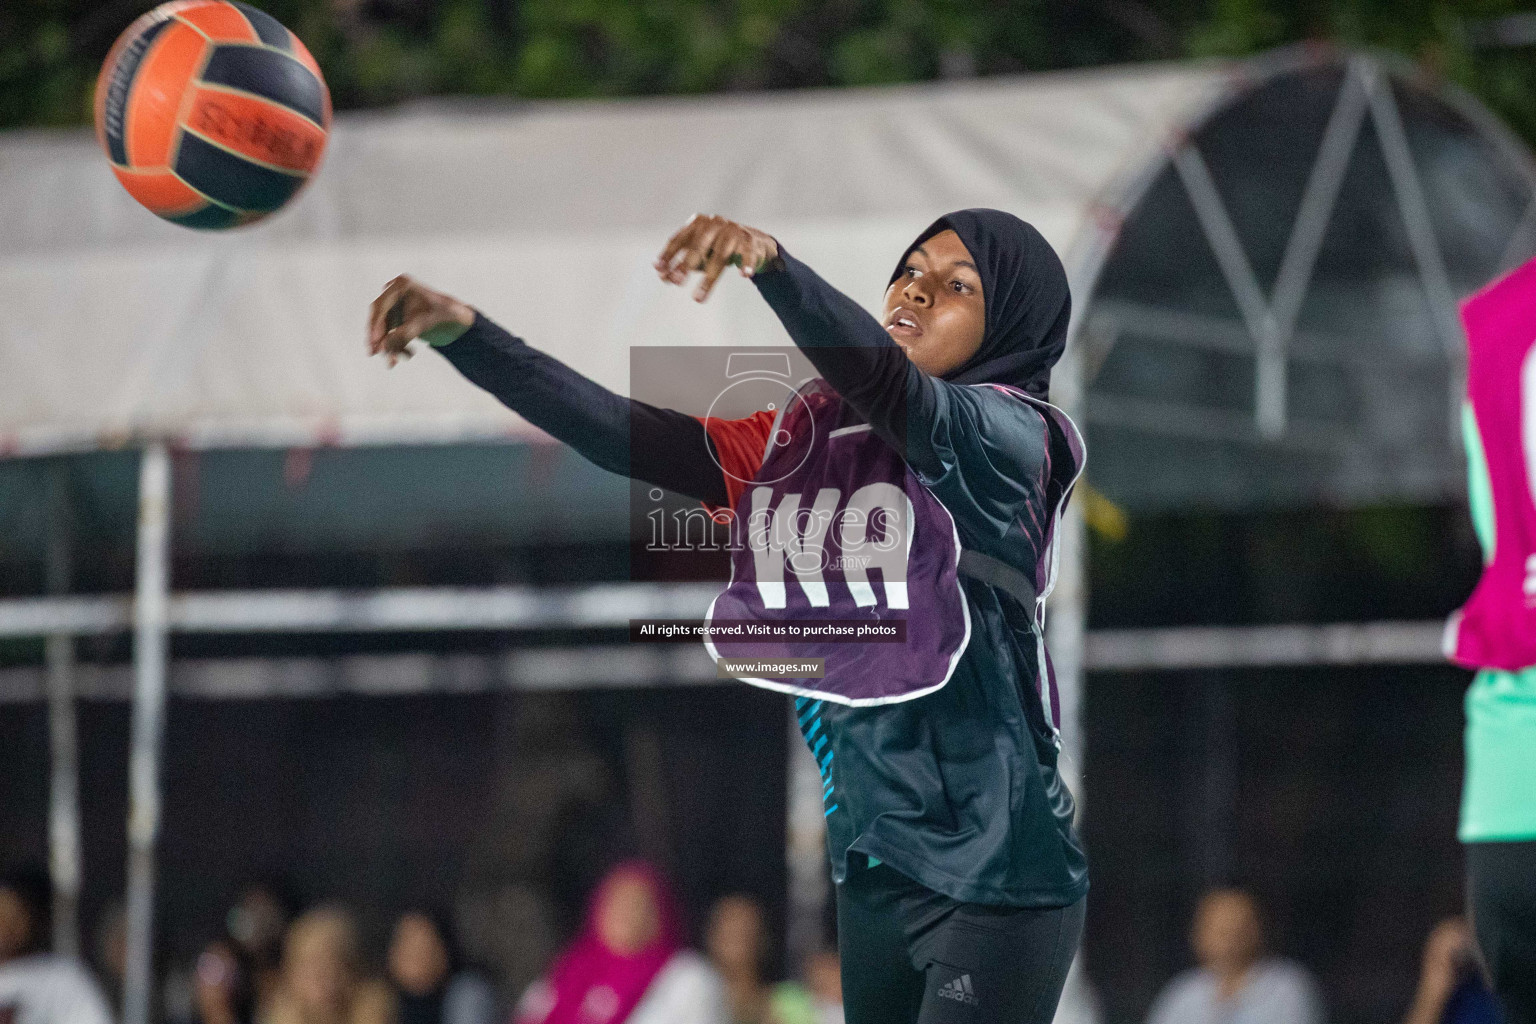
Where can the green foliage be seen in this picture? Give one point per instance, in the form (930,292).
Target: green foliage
(1438,34)
(383,51)
(1237,27)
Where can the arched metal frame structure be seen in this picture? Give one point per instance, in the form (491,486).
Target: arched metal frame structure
(1364,98)
(1363,92)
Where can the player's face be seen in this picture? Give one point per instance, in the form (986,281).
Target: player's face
(934,309)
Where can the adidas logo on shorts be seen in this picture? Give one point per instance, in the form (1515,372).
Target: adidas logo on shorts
(960,991)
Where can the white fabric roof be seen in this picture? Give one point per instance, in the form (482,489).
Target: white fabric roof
(546,216)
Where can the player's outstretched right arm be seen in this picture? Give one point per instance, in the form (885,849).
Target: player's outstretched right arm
(659,446)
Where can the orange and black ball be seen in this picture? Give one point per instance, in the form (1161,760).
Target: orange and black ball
(212,113)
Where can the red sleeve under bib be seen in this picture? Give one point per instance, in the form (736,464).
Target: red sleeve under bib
(740,445)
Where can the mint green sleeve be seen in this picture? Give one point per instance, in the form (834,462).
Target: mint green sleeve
(1479,487)
(445,333)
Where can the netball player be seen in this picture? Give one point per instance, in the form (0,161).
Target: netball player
(1495,633)
(960,879)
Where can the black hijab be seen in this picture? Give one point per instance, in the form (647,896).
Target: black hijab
(1024,287)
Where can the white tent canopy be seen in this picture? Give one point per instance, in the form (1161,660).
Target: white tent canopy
(546,216)
(1173,192)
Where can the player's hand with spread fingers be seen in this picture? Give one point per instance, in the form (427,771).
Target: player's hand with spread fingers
(407,309)
(708,245)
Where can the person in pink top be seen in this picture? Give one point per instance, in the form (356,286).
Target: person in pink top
(1495,633)
(629,965)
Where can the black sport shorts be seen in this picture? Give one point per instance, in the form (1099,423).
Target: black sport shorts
(914,956)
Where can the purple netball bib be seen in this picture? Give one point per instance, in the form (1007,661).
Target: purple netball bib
(836,527)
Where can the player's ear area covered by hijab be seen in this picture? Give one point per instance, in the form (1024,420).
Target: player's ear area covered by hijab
(1027,301)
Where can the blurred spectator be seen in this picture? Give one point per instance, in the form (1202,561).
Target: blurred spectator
(36,986)
(1236,983)
(256,923)
(1451,989)
(737,941)
(628,964)
(222,988)
(322,975)
(818,1001)
(431,982)
(824,979)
